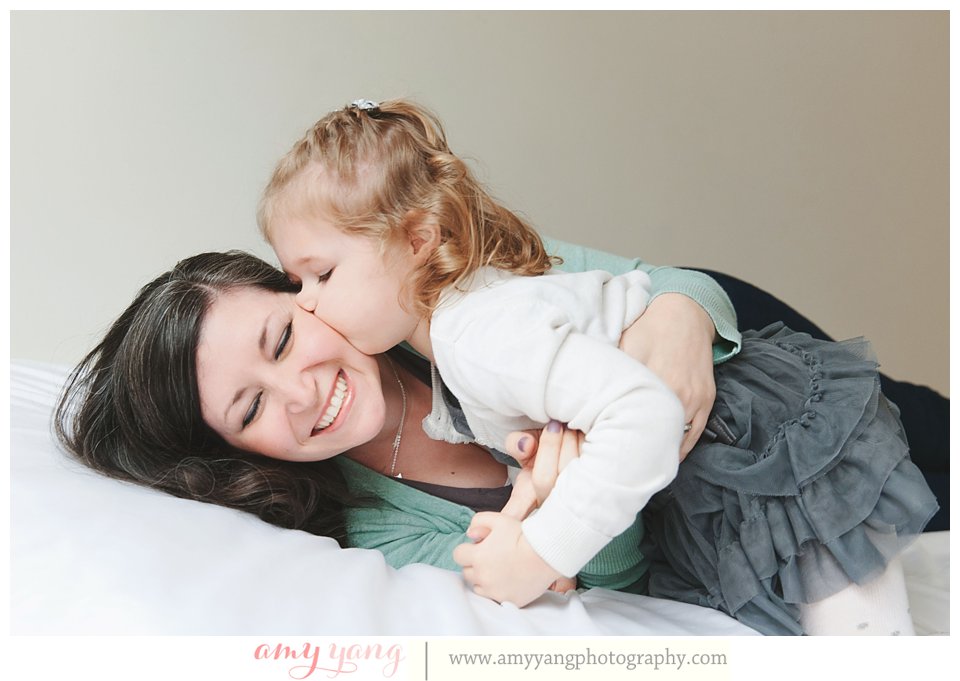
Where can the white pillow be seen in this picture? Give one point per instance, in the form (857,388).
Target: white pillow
(91,555)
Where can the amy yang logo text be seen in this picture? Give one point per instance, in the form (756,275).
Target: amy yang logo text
(331,660)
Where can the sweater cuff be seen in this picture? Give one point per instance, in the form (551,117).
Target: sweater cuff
(621,553)
(717,308)
(561,539)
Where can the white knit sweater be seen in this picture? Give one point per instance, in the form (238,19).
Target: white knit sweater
(520,351)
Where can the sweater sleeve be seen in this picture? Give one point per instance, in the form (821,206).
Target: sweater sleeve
(619,564)
(695,285)
(405,538)
(543,370)
(405,524)
(410,526)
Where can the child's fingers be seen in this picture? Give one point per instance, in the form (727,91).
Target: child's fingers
(478,534)
(481,591)
(463,555)
(523,498)
(483,524)
(563,585)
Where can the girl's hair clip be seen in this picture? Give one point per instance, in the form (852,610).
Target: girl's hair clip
(364,104)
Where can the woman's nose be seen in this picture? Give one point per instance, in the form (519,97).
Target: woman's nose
(299,391)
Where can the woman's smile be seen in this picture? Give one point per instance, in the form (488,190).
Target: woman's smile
(276,380)
(337,405)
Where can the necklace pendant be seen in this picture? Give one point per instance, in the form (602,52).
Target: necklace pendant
(399,476)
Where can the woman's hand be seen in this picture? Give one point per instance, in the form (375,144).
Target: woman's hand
(541,455)
(674,339)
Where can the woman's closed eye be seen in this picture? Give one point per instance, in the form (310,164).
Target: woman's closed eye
(323,278)
(282,344)
(284,340)
(252,411)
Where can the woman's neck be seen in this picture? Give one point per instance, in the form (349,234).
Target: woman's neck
(407,401)
(418,457)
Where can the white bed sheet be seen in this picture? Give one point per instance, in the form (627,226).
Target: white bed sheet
(90,555)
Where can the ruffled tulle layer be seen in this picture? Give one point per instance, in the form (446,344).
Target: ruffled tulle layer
(807,487)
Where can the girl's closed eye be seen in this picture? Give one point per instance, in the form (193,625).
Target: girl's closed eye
(323,278)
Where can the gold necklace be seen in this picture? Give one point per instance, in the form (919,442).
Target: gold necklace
(403,416)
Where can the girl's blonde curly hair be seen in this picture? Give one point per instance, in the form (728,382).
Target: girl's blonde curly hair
(381,170)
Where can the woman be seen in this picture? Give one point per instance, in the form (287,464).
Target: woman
(168,349)
(134,410)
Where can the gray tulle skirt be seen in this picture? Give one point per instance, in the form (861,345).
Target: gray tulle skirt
(802,485)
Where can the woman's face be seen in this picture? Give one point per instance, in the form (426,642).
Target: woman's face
(276,380)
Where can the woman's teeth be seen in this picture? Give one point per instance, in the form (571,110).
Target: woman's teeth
(336,402)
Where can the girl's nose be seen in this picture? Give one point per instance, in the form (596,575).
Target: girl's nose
(306,300)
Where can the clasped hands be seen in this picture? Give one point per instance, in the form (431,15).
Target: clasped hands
(501,564)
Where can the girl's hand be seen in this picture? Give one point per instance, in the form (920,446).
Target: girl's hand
(501,564)
(674,339)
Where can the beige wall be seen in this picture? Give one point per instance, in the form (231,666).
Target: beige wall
(805,152)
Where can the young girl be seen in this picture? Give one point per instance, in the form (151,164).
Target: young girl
(801,492)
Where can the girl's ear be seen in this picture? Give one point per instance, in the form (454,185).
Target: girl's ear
(424,235)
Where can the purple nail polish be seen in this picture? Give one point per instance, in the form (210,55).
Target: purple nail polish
(522,445)
(553,427)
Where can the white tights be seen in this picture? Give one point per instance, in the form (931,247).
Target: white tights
(878,608)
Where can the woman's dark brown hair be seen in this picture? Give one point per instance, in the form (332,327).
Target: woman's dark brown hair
(131,408)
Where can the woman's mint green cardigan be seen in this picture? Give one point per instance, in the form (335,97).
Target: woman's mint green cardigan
(411,526)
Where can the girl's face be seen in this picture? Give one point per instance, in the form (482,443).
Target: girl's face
(348,283)
(276,380)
